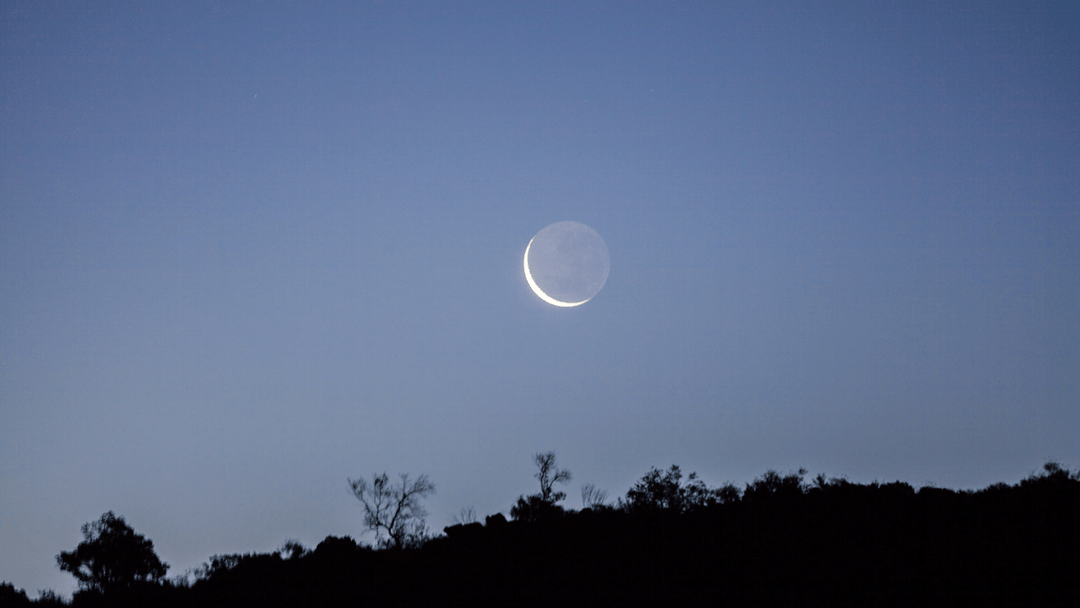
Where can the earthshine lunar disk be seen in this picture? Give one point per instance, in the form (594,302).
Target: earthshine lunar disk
(566,264)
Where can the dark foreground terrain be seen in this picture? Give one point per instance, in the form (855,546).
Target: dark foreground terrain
(779,541)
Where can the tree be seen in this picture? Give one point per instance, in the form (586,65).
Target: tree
(465,517)
(550,475)
(663,491)
(112,557)
(393,511)
(538,506)
(774,487)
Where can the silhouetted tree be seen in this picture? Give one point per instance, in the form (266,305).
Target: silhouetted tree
(394,509)
(539,506)
(549,475)
(773,486)
(112,557)
(662,491)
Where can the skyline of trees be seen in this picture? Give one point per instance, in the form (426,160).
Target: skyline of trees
(777,521)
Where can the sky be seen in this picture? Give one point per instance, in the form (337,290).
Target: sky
(251,250)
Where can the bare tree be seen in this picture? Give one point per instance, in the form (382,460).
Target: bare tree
(593,497)
(549,475)
(466,516)
(393,511)
(535,507)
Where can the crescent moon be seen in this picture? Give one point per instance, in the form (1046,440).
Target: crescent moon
(540,292)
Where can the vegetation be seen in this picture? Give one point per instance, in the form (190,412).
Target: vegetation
(544,505)
(393,511)
(669,541)
(112,557)
(662,492)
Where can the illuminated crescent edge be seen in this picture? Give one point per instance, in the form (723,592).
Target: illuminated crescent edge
(540,292)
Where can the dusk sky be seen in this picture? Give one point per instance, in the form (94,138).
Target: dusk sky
(250,250)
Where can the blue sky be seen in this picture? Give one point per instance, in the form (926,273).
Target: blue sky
(250,250)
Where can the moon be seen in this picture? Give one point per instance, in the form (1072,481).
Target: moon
(566,264)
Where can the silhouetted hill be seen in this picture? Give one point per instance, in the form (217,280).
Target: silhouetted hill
(778,541)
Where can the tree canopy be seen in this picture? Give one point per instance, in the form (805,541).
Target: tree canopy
(663,492)
(112,556)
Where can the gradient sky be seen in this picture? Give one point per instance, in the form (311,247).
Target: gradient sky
(249,250)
